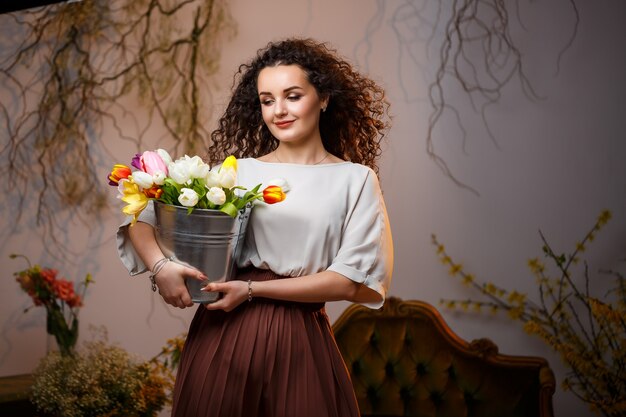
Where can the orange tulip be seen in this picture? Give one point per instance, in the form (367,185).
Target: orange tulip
(273,194)
(118,173)
(153,192)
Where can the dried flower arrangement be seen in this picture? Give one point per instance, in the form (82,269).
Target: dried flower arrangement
(102,379)
(587,331)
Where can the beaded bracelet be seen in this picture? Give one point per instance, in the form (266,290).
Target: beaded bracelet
(249,290)
(158,265)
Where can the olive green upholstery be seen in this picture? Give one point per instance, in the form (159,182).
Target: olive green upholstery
(405,361)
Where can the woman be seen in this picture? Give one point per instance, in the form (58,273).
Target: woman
(265,348)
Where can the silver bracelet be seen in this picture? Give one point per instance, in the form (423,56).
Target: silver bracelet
(158,265)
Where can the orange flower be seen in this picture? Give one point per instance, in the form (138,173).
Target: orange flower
(118,173)
(273,194)
(75,301)
(49,275)
(153,192)
(56,294)
(64,289)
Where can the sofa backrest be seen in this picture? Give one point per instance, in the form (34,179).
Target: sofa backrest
(404,360)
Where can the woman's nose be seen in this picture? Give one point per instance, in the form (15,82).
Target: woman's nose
(279,108)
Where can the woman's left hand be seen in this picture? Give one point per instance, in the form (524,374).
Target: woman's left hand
(233,293)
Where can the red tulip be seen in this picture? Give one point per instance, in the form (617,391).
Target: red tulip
(273,194)
(118,173)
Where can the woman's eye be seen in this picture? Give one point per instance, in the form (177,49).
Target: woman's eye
(294,97)
(267,102)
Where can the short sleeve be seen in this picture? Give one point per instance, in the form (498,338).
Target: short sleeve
(366,250)
(125,248)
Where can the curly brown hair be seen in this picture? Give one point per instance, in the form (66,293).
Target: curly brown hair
(352,127)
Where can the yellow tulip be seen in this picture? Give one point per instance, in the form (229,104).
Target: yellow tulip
(230,162)
(135,199)
(128,187)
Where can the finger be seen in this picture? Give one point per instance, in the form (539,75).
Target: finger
(178,301)
(217,305)
(216,287)
(171,301)
(186,300)
(195,274)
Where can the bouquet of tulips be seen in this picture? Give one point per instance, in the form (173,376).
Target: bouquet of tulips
(187,182)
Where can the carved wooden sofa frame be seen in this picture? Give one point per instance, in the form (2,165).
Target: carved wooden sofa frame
(404,360)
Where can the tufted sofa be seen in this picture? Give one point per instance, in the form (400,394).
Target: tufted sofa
(404,360)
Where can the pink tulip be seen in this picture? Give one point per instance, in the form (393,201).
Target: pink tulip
(152,163)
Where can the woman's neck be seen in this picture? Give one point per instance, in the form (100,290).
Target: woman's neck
(297,155)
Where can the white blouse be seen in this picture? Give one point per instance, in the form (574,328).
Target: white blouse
(333,218)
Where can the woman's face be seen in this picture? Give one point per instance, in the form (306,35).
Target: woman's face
(290,104)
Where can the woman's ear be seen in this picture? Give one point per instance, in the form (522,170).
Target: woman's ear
(324,102)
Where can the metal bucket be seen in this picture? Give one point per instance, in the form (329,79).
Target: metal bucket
(207,240)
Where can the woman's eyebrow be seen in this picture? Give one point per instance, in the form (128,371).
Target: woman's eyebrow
(286,90)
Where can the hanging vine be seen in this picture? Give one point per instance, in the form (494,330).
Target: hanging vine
(480,54)
(78,67)
(475,50)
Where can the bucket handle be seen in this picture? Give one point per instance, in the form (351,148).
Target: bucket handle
(242,217)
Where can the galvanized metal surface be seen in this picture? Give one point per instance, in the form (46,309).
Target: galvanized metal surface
(207,240)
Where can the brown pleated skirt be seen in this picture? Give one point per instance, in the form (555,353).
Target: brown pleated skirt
(266,358)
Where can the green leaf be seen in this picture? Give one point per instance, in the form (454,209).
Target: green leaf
(231,196)
(198,186)
(230,209)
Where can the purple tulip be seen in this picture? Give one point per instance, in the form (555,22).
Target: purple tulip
(136,162)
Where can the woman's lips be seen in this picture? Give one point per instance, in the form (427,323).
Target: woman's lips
(284,124)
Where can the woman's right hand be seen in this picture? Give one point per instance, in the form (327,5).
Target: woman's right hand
(171,283)
(171,277)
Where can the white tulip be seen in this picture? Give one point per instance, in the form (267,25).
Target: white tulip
(197,167)
(216,196)
(121,187)
(142,179)
(188,197)
(159,178)
(281,182)
(165,156)
(179,172)
(227,177)
(212,179)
